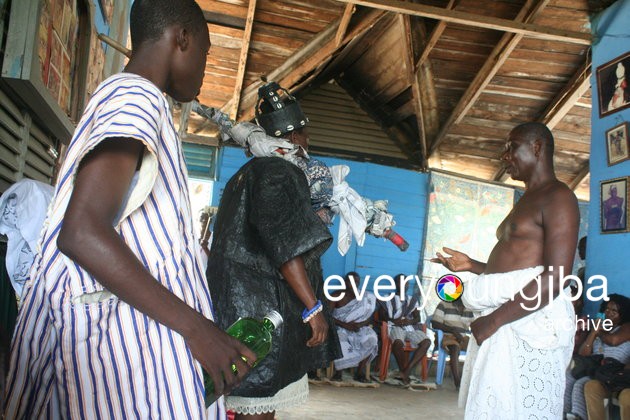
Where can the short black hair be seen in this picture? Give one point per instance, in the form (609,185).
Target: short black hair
(149,18)
(535,130)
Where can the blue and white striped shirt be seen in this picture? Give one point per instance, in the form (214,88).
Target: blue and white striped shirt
(77,348)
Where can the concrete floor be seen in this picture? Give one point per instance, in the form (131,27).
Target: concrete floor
(330,402)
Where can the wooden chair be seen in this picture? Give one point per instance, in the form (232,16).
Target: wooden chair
(386,350)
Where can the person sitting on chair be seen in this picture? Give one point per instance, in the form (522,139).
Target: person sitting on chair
(403,318)
(454,320)
(353,316)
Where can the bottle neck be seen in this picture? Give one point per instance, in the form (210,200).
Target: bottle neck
(268,325)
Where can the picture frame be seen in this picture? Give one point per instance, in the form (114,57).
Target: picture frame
(613,85)
(617,144)
(613,197)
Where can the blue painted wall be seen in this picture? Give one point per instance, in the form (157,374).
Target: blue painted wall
(406,192)
(607,255)
(99,20)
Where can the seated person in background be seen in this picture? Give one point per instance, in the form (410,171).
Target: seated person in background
(403,318)
(614,343)
(454,320)
(595,392)
(359,342)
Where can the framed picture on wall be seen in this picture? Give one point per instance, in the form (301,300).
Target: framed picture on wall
(614,205)
(613,85)
(617,145)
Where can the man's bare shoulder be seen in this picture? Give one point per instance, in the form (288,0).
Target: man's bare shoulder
(559,194)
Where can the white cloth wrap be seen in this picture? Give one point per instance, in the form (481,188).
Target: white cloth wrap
(519,370)
(296,393)
(350,206)
(23,209)
(356,345)
(252,137)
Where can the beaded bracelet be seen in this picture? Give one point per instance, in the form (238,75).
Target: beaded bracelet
(308,314)
(311,316)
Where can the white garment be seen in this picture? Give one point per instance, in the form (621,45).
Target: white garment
(519,372)
(253,138)
(350,206)
(294,394)
(356,345)
(77,347)
(23,210)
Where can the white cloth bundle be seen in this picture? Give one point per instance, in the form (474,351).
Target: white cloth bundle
(350,206)
(23,210)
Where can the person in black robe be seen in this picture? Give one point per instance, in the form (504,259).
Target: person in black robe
(266,255)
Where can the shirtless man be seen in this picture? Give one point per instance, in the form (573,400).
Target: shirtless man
(536,241)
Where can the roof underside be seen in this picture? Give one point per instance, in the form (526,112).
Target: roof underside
(441,81)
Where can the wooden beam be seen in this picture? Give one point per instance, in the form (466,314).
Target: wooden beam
(248,98)
(426,82)
(353,49)
(343,24)
(497,57)
(579,84)
(242,61)
(320,48)
(114,44)
(434,37)
(500,175)
(224,20)
(471,19)
(583,172)
(412,77)
(329,65)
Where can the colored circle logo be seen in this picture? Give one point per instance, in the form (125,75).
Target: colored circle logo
(449,288)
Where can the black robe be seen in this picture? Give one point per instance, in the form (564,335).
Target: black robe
(264,220)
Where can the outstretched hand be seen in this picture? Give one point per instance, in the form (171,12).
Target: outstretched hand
(319,326)
(456,261)
(218,352)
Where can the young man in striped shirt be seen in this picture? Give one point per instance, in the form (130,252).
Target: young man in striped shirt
(116,318)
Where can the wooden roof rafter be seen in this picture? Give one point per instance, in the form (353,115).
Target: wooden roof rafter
(557,109)
(480,21)
(412,76)
(242,61)
(583,173)
(497,58)
(344,22)
(354,48)
(566,99)
(434,37)
(410,68)
(311,55)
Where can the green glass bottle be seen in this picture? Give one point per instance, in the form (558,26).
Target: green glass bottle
(256,335)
